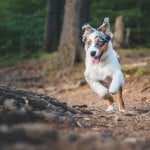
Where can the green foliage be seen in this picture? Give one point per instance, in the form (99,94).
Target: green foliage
(22,22)
(22,25)
(135,12)
(136,71)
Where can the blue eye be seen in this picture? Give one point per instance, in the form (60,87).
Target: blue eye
(107,38)
(100,43)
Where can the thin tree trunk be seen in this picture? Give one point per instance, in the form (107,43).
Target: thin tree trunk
(84,12)
(118,41)
(52,27)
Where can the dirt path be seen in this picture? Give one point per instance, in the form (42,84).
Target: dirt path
(136,95)
(96,128)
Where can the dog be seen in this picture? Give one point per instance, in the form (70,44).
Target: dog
(102,67)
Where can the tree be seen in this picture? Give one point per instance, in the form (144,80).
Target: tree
(76,13)
(52,25)
(84,11)
(21,25)
(119,41)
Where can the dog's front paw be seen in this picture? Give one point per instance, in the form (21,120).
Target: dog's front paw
(110,108)
(112,91)
(122,110)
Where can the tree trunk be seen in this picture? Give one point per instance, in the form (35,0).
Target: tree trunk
(52,27)
(118,41)
(127,36)
(84,12)
(70,42)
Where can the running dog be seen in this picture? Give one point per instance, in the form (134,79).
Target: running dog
(102,68)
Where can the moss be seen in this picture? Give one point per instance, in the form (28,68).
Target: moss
(133,52)
(14,58)
(137,71)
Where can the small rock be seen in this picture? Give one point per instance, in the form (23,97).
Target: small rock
(87,119)
(4,128)
(117,118)
(131,113)
(11,104)
(130,140)
(79,124)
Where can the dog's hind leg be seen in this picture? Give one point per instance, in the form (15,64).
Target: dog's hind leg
(119,100)
(110,103)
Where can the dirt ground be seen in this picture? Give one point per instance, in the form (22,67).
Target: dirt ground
(96,128)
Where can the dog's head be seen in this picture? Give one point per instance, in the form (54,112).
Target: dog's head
(96,40)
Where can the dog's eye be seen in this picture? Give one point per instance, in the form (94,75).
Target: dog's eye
(100,43)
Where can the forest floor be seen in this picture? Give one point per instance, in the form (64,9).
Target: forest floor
(95,129)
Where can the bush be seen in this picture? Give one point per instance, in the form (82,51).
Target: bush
(22,25)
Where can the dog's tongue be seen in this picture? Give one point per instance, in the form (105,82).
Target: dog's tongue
(95,60)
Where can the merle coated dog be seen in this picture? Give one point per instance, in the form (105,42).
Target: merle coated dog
(103,71)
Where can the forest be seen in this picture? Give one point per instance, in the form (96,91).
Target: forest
(45,101)
(22,23)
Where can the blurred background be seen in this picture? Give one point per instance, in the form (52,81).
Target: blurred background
(29,27)
(41,52)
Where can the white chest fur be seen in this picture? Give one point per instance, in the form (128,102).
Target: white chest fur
(106,68)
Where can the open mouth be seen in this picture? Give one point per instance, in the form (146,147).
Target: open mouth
(96,60)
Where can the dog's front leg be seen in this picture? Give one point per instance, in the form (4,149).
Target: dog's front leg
(102,91)
(97,87)
(116,88)
(117,82)
(119,100)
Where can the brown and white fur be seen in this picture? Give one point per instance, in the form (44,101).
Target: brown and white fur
(102,68)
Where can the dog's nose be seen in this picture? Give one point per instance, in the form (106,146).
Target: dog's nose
(93,53)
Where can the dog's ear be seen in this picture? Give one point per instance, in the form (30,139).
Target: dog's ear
(105,27)
(87,29)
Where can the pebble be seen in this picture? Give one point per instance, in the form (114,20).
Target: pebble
(117,118)
(130,140)
(11,104)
